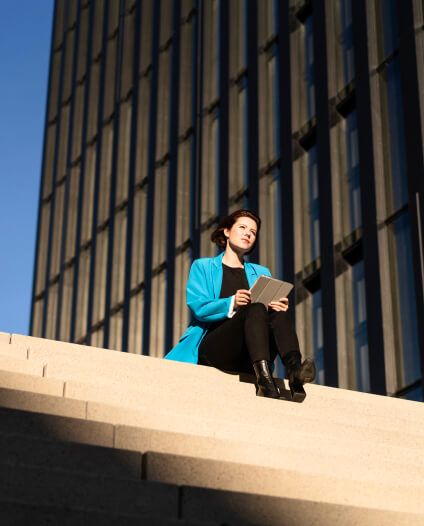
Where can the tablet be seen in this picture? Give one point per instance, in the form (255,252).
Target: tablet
(266,289)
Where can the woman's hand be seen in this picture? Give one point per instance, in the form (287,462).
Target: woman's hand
(282,305)
(241,297)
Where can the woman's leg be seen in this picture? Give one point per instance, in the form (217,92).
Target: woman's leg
(239,341)
(242,344)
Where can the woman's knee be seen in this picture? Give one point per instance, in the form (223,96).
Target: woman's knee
(257,309)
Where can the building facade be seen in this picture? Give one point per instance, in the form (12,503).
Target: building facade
(163,115)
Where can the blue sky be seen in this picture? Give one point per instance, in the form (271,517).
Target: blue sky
(25,32)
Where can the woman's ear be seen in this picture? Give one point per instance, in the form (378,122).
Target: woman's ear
(227,232)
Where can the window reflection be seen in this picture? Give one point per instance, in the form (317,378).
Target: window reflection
(313,203)
(360,327)
(405,322)
(352,171)
(309,68)
(395,136)
(317,336)
(346,39)
(389,32)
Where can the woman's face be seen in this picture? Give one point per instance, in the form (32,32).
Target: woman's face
(242,235)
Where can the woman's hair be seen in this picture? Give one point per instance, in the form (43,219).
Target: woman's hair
(218,235)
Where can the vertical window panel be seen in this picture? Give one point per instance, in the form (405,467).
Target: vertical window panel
(93,100)
(182,231)
(100,277)
(387,27)
(181,312)
(403,300)
(83,42)
(99,12)
(115,331)
(110,78)
(160,225)
(142,143)
(49,159)
(136,323)
(157,330)
(37,318)
(43,245)
(209,198)
(88,197)
(82,295)
(54,84)
(268,109)
(269,210)
(210,65)
(146,35)
(78,121)
(186,78)
(118,262)
(67,71)
(238,141)
(72,212)
(51,312)
(138,242)
(394,137)
(65,320)
(360,328)
(162,139)
(237,12)
(105,174)
(57,231)
(124,153)
(97,338)
(127,55)
(63,143)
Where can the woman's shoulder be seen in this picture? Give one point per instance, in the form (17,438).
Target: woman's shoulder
(260,269)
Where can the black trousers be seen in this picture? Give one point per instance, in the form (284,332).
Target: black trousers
(252,334)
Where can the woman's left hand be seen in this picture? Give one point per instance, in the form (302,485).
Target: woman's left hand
(282,305)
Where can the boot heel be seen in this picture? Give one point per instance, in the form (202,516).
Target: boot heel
(297,392)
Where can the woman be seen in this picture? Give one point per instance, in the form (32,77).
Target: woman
(228,331)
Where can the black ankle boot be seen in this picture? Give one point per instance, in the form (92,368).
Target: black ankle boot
(265,381)
(298,373)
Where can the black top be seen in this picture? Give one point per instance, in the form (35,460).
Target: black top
(233,278)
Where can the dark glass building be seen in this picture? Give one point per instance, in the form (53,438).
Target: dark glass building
(163,115)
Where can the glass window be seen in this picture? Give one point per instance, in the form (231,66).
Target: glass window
(346,40)
(102,242)
(138,241)
(43,244)
(181,312)
(160,215)
(309,73)
(403,298)
(270,241)
(157,326)
(119,253)
(394,140)
(360,327)
(238,139)
(388,31)
(313,208)
(136,323)
(317,336)
(82,299)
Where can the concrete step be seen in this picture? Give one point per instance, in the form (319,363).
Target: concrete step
(19,514)
(81,363)
(241,509)
(47,487)
(319,461)
(63,365)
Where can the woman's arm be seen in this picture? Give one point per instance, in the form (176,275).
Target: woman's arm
(203,306)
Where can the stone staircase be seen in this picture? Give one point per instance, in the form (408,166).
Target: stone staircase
(93,436)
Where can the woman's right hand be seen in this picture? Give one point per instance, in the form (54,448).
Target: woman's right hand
(241,298)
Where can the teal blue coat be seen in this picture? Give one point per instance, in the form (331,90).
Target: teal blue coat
(202,294)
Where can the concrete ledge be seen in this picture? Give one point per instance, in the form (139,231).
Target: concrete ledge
(240,509)
(31,384)
(19,514)
(84,492)
(20,365)
(14,351)
(5,337)
(70,457)
(41,403)
(62,428)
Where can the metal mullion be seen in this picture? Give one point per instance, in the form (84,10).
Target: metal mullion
(54,175)
(131,179)
(414,156)
(368,200)
(223,90)
(76,284)
(285,140)
(196,147)
(327,271)
(43,169)
(251,35)
(115,151)
(68,176)
(151,177)
(172,175)
(97,177)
